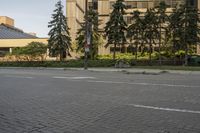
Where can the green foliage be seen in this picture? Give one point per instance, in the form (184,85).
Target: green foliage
(151,33)
(116,26)
(184,29)
(135,32)
(129,56)
(162,21)
(31,51)
(36,49)
(118,56)
(59,43)
(63,64)
(96,37)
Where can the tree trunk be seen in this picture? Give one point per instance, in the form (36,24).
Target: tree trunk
(114,52)
(160,62)
(173,51)
(186,55)
(136,51)
(61,55)
(150,50)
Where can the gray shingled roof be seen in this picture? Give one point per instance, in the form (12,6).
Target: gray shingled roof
(8,32)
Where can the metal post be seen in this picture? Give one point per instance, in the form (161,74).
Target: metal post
(86,34)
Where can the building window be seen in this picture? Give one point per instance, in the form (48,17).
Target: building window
(90,5)
(131,4)
(128,19)
(192,3)
(95,5)
(111,4)
(144,4)
(170,3)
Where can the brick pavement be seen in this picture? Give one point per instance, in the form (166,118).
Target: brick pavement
(47,105)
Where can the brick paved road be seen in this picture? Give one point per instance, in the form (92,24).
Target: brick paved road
(56,101)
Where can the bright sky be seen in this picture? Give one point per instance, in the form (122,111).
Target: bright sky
(30,15)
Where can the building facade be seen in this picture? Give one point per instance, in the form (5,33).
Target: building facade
(11,37)
(76,10)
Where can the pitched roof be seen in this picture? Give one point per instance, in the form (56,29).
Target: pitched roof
(9,32)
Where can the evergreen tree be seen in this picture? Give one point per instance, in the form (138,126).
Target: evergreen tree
(96,38)
(184,29)
(116,27)
(134,31)
(59,43)
(162,21)
(175,28)
(151,32)
(191,30)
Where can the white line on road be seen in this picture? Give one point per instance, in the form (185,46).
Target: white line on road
(24,77)
(165,109)
(145,84)
(74,77)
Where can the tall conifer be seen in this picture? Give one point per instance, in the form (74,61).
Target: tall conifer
(59,43)
(116,27)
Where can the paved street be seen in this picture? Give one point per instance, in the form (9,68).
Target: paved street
(71,101)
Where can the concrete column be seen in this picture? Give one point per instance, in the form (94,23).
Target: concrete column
(198,49)
(10,50)
(71,11)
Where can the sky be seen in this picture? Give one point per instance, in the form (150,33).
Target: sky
(30,15)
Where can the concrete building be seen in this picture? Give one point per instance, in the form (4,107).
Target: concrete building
(11,37)
(76,10)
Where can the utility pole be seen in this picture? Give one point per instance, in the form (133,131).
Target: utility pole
(88,34)
(87,43)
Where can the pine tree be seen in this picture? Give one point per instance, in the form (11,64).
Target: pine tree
(162,21)
(191,30)
(185,30)
(135,30)
(116,27)
(175,28)
(96,38)
(59,43)
(151,32)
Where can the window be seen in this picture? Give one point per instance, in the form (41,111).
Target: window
(93,5)
(90,5)
(111,4)
(131,4)
(192,2)
(128,19)
(144,4)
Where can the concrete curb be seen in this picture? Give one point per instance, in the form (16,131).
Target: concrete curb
(124,70)
(137,71)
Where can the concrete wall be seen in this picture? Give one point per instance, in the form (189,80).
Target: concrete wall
(76,8)
(11,43)
(6,20)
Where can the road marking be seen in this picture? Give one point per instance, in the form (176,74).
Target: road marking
(73,77)
(165,109)
(24,77)
(145,84)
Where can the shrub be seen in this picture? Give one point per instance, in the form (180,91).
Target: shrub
(33,51)
(69,63)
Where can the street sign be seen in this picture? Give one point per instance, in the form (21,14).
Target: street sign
(87,48)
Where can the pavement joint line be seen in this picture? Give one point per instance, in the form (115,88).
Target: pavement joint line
(58,77)
(165,109)
(145,84)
